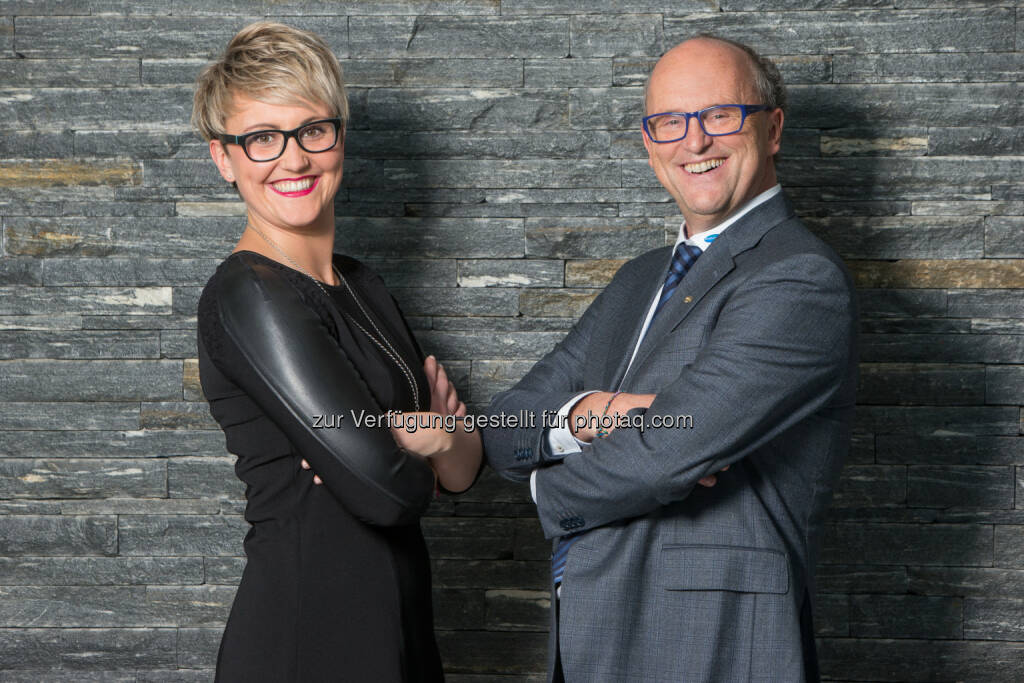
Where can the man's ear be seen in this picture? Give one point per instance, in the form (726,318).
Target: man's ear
(776,119)
(220,158)
(647,146)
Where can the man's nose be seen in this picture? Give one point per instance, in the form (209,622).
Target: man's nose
(696,139)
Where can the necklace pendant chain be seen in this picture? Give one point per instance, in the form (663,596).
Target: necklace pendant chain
(381,341)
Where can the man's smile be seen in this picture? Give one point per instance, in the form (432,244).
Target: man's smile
(703,166)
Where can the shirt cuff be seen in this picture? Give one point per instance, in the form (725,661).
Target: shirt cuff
(560,438)
(533,486)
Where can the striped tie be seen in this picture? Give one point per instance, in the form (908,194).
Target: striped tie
(682,260)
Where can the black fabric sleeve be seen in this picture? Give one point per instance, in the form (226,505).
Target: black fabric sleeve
(294,370)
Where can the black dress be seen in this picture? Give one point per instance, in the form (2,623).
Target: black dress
(337,582)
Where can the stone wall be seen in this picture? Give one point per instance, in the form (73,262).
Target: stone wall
(496,178)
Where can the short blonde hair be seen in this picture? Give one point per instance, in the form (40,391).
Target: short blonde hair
(273,63)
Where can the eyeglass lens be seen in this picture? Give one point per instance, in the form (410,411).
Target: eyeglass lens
(723,120)
(269,144)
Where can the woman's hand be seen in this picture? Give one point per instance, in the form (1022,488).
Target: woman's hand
(443,398)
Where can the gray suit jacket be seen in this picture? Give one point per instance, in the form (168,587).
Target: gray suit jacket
(672,581)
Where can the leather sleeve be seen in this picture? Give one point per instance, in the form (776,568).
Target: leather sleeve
(295,370)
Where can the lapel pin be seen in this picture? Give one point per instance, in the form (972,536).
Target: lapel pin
(687,299)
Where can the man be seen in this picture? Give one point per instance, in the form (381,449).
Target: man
(746,330)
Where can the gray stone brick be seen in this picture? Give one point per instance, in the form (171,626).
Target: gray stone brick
(993,619)
(915,326)
(68,73)
(988,487)
(619,6)
(1004,236)
(919,660)
(226,570)
(852,142)
(100,571)
(861,31)
(139,144)
(616,35)
(937,421)
(518,610)
(831,615)
(486,651)
(906,616)
(20,271)
(485,173)
(203,478)
(943,237)
(197,647)
(927,68)
(106,444)
(465,145)
(1008,540)
(941,348)
(916,384)
(171,71)
(950,450)
(432,237)
(871,486)
(859,578)
(96,107)
(968,582)
(430,36)
(487,345)
(482,539)
(510,210)
(122,272)
(119,209)
(33,145)
(181,675)
(159,238)
(606,108)
(185,300)
(116,36)
(776,5)
(996,326)
(415,272)
(36,300)
(178,344)
(1004,385)
(987,141)
(28,648)
(99,648)
(38,535)
(567,73)
(138,322)
(511,273)
(387,7)
(69,415)
(89,380)
(885,544)
(79,345)
(966,208)
(460,108)
(628,71)
(457,301)
(987,303)
(176,415)
(490,377)
(92,478)
(458,609)
(555,302)
(591,237)
(140,506)
(191,605)
(443,73)
(901,303)
(180,535)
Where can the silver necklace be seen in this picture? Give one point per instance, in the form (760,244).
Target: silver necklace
(382,342)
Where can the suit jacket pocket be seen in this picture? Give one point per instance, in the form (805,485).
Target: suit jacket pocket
(724,568)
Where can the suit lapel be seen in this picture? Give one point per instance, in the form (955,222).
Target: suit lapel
(713,265)
(623,337)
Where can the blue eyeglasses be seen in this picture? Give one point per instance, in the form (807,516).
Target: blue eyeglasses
(721,119)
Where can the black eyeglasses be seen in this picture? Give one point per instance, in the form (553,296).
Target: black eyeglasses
(721,119)
(267,145)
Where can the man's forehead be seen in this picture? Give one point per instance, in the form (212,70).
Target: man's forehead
(702,67)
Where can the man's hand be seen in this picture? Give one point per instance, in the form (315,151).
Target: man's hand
(316,477)
(593,406)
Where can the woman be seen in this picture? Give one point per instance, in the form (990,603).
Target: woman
(297,345)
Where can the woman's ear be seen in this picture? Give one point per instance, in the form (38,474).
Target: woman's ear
(221,159)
